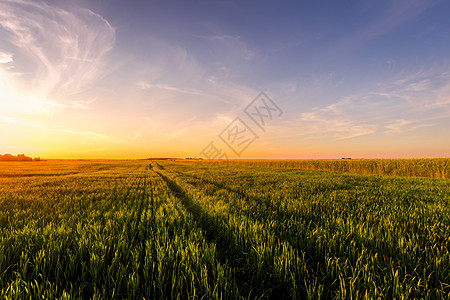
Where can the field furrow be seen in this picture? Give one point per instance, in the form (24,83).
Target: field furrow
(171,229)
(350,244)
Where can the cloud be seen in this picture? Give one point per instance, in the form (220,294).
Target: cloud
(418,86)
(8,120)
(187,107)
(401,126)
(137,134)
(443,97)
(145,86)
(173,83)
(231,44)
(398,105)
(395,14)
(398,12)
(396,127)
(5,58)
(58,53)
(81,105)
(86,134)
(175,86)
(334,119)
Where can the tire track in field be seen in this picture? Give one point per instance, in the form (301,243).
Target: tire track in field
(262,206)
(279,233)
(215,229)
(260,214)
(259,209)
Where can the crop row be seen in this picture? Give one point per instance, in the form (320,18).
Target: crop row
(431,168)
(109,235)
(345,234)
(165,229)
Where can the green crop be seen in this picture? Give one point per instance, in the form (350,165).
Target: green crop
(208,230)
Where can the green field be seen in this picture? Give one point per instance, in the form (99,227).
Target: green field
(245,229)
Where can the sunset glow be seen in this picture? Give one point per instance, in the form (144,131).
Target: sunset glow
(117,79)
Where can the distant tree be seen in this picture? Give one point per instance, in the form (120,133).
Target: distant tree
(19,157)
(8,157)
(22,157)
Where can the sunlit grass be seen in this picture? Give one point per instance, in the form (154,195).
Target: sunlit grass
(432,168)
(165,229)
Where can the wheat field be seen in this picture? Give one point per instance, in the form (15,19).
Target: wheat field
(166,229)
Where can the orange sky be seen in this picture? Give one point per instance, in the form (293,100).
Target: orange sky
(77,80)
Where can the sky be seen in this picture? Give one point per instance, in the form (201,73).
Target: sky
(137,79)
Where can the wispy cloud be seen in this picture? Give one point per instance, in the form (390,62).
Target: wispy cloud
(420,86)
(145,86)
(8,120)
(443,97)
(395,14)
(396,106)
(175,85)
(58,52)
(87,134)
(401,126)
(334,119)
(137,134)
(5,58)
(231,44)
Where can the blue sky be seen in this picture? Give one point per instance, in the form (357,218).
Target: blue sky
(101,79)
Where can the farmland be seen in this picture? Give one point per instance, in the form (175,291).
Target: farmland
(241,229)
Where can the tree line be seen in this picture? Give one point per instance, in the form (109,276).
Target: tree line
(19,157)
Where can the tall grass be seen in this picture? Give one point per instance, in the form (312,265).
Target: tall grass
(114,233)
(338,235)
(431,168)
(159,230)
